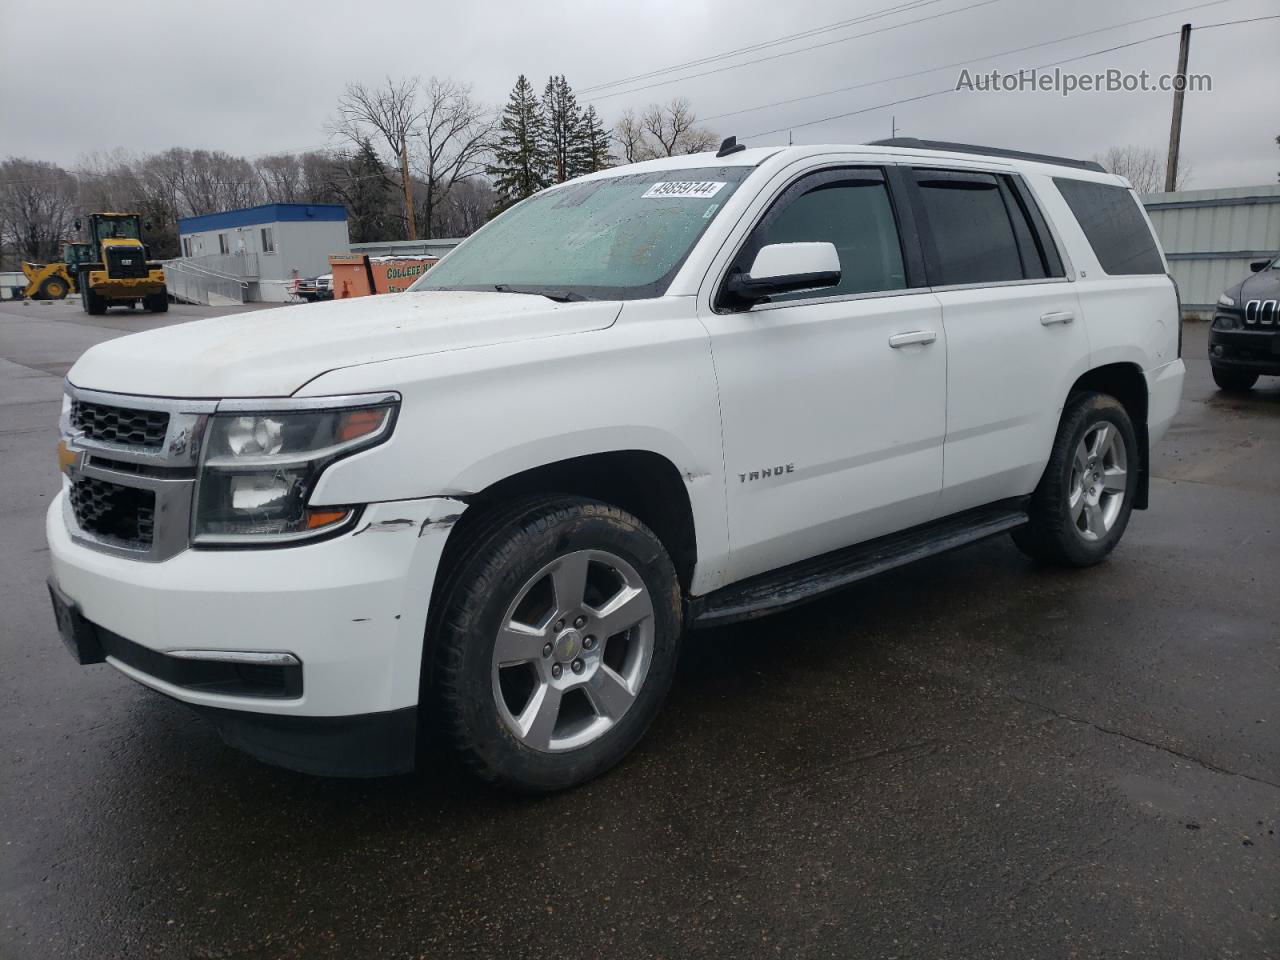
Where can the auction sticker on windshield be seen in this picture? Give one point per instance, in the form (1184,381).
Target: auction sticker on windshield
(683,188)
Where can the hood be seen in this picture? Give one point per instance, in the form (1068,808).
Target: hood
(271,353)
(1263,285)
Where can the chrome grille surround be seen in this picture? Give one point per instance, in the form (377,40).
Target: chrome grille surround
(170,470)
(166,469)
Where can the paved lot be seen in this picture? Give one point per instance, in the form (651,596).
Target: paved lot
(971,758)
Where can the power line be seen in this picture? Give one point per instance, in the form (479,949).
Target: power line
(1056,63)
(961,63)
(853,21)
(792,53)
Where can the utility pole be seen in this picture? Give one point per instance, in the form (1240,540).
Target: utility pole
(408,189)
(1175,127)
(893,126)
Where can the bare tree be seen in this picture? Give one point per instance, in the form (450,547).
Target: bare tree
(37,205)
(1143,167)
(674,130)
(629,133)
(663,130)
(282,178)
(451,145)
(394,114)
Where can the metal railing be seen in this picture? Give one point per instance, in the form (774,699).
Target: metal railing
(242,265)
(192,282)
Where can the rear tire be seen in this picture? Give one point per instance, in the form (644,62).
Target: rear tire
(1081,507)
(1234,381)
(568,574)
(157,302)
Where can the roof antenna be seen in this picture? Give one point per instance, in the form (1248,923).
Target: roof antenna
(730,145)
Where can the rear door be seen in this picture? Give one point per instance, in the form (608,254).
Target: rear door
(1015,343)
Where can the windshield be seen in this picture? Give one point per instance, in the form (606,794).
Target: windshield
(117,227)
(616,238)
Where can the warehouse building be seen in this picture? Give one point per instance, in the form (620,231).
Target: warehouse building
(1211,236)
(264,248)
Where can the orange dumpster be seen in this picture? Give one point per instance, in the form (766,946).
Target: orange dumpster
(361,274)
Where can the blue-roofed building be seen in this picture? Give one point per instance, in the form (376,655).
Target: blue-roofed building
(266,247)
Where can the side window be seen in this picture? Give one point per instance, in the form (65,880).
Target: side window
(268,240)
(848,208)
(971,228)
(1113,224)
(222,244)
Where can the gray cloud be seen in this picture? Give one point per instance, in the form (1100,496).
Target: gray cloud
(261,77)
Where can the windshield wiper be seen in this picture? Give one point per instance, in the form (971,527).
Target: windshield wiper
(559,296)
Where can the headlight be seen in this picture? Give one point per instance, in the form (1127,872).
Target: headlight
(259,467)
(1225,301)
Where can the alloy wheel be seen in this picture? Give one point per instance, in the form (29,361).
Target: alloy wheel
(573,651)
(1099,478)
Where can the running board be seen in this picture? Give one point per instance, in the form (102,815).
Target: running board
(809,579)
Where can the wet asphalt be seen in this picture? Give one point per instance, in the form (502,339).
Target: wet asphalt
(973,757)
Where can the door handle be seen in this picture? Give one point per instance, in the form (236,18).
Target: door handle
(915,336)
(1056,316)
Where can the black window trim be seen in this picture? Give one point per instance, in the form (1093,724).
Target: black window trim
(1037,223)
(904,220)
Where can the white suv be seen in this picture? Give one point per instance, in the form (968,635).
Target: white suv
(664,396)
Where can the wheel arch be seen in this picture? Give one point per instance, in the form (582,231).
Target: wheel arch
(1127,383)
(642,482)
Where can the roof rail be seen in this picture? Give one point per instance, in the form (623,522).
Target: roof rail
(914,143)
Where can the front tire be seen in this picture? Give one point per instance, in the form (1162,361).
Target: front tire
(1234,381)
(93,304)
(556,643)
(53,288)
(1081,507)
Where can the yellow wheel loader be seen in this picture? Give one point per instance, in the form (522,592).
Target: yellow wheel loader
(113,268)
(47,281)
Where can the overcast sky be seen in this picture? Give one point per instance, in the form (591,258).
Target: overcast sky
(263,76)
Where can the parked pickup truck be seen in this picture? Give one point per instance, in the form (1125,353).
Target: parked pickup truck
(670,395)
(312,289)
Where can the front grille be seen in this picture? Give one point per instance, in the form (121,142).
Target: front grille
(137,428)
(126,263)
(109,510)
(1262,312)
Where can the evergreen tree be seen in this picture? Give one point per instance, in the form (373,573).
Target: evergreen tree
(564,128)
(361,182)
(592,152)
(520,162)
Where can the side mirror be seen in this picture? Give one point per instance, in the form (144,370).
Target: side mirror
(787,268)
(1259,265)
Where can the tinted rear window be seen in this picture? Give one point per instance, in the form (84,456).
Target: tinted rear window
(971,228)
(1114,226)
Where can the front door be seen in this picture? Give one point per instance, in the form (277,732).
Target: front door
(833,401)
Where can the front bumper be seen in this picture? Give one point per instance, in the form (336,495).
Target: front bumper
(352,610)
(105,285)
(1257,351)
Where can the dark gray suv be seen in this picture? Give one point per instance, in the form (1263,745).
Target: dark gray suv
(1244,341)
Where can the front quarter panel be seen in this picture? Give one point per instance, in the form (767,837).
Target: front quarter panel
(470,418)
